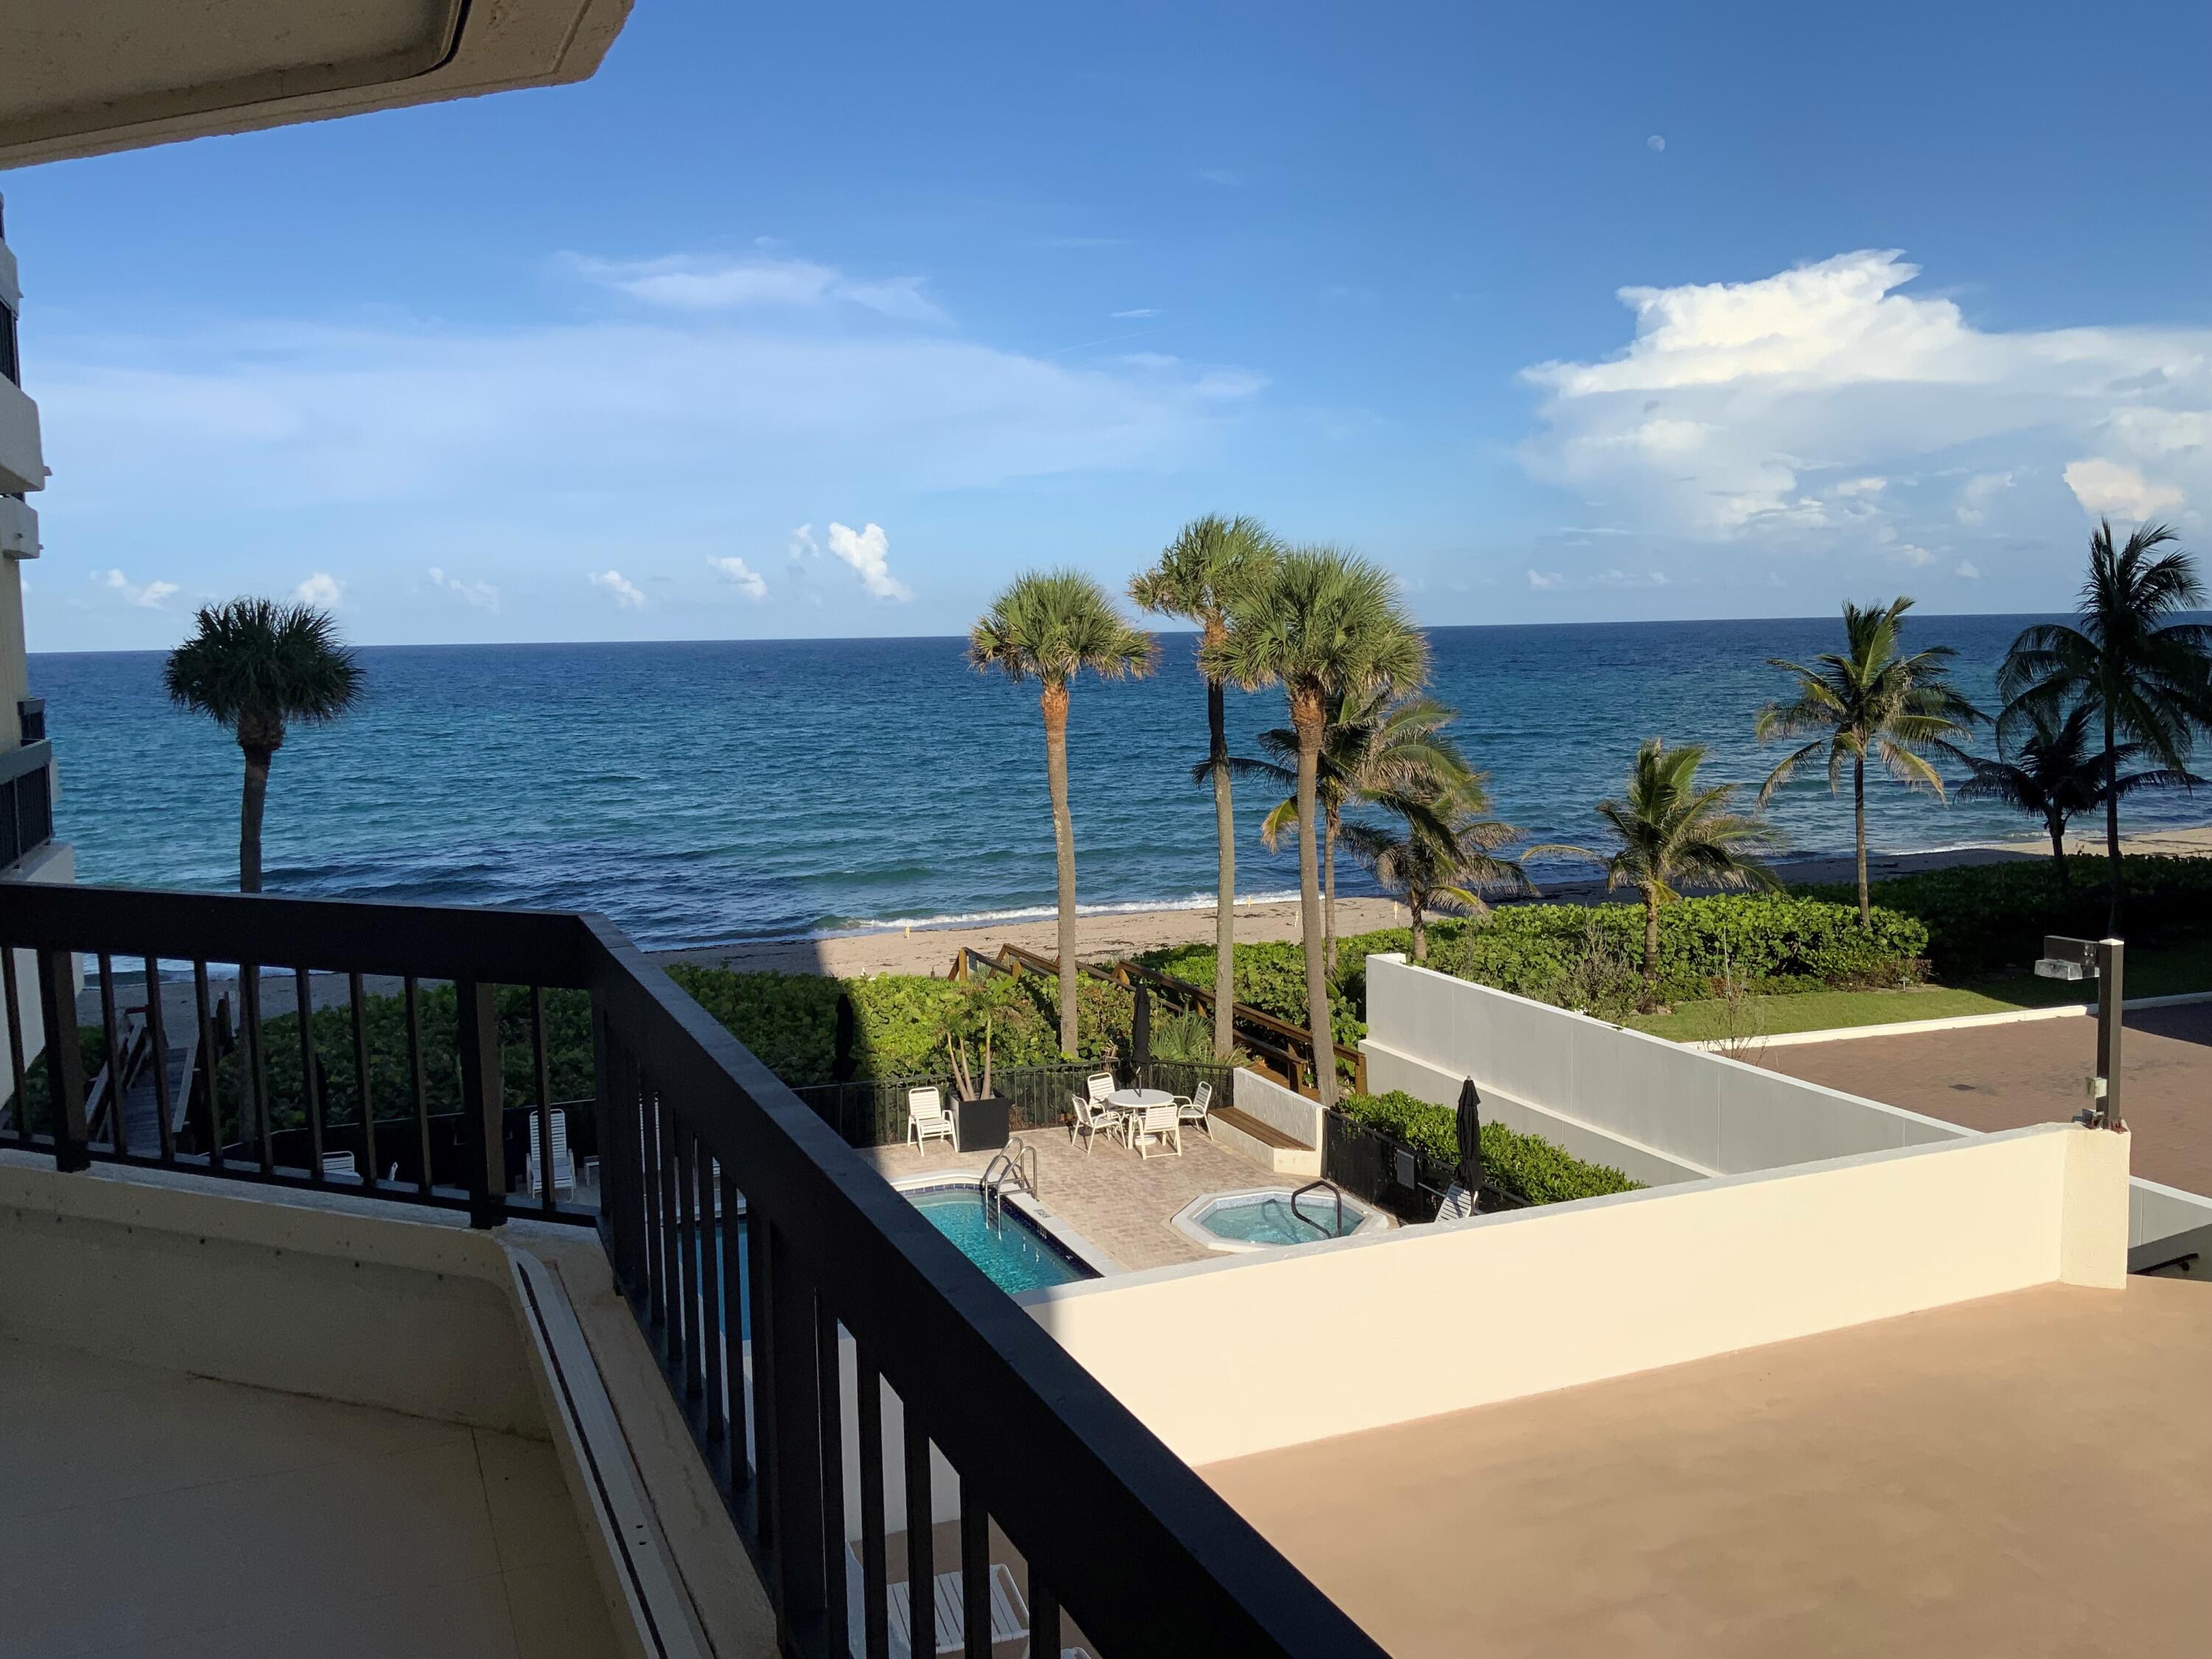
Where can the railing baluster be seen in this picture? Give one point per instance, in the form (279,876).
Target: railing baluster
(112,1098)
(975,1570)
(671,1246)
(157,1044)
(210,1081)
(869,1406)
(483,1120)
(733,1326)
(921,1527)
(18,1075)
(829,1387)
(650,1153)
(800,1477)
(303,1000)
(418,1094)
(543,1075)
(254,1063)
(363,1089)
(689,1245)
(65,1060)
(707,1236)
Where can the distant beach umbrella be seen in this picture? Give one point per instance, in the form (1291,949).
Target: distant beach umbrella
(1468,1120)
(1140,1033)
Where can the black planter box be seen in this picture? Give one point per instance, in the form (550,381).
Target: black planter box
(980,1126)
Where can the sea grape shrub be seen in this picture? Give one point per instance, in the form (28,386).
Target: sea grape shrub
(1526,1165)
(1986,918)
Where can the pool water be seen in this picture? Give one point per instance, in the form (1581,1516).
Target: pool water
(1267,1219)
(1012,1254)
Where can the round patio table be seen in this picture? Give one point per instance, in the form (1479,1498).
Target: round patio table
(1135,1100)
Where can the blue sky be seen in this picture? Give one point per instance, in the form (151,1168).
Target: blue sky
(825,320)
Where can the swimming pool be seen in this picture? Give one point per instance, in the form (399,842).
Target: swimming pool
(1013,1251)
(1263,1219)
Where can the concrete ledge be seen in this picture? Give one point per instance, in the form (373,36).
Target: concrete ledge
(1283,1160)
(1956,1022)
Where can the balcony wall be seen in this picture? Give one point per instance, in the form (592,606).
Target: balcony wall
(22,463)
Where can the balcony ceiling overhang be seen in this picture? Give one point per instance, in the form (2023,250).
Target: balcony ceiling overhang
(81,77)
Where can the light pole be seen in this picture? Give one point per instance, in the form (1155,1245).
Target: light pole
(2105,959)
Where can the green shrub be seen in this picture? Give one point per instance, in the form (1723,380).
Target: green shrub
(1526,1165)
(1984,918)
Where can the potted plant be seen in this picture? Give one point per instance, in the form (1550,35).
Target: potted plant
(970,1021)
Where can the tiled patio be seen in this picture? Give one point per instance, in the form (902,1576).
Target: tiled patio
(1119,1202)
(154,1513)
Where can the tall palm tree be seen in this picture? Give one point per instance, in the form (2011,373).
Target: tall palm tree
(1869,702)
(2147,676)
(1325,622)
(1372,743)
(255,666)
(1198,574)
(1049,626)
(1668,831)
(2056,773)
(1440,855)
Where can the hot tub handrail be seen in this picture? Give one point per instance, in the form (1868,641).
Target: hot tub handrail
(1299,1215)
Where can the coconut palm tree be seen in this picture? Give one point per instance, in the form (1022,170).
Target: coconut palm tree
(1049,626)
(1441,854)
(1197,575)
(1868,701)
(2147,677)
(1324,622)
(256,665)
(1668,831)
(2057,773)
(1372,744)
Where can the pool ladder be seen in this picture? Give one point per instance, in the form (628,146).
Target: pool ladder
(1015,1166)
(1301,1215)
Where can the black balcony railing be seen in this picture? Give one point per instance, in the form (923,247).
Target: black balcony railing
(27,801)
(767,1263)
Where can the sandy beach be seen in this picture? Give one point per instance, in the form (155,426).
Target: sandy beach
(1125,932)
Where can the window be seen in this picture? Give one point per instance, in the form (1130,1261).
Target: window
(10,369)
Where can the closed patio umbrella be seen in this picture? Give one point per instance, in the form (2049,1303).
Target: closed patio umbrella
(1140,1038)
(1468,1122)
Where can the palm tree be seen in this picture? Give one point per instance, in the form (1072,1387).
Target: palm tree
(1669,831)
(1198,574)
(1371,743)
(2147,677)
(1440,855)
(2056,775)
(1324,624)
(256,665)
(1049,626)
(1869,701)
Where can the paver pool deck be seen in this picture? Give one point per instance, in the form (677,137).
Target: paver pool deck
(2009,1076)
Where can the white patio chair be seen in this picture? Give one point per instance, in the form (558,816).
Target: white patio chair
(1092,1121)
(1158,1125)
(1193,1109)
(926,1119)
(340,1163)
(1099,1085)
(1010,1614)
(564,1164)
(1458,1205)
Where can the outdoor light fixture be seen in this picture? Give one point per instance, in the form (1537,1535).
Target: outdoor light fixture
(2101,960)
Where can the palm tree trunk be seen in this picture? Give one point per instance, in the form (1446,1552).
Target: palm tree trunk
(2057,828)
(251,799)
(1420,933)
(1328,892)
(2112,828)
(1858,830)
(1054,701)
(1651,939)
(1224,837)
(1306,719)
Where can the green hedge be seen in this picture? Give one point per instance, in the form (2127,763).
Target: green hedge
(1588,955)
(1984,919)
(1526,1165)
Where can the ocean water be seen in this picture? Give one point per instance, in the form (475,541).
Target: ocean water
(724,790)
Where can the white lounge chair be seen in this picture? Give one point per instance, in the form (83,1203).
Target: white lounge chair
(1191,1109)
(1158,1125)
(1458,1205)
(1099,1085)
(564,1165)
(340,1163)
(1010,1614)
(926,1119)
(1092,1121)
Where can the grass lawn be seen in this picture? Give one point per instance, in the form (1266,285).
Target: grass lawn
(2155,973)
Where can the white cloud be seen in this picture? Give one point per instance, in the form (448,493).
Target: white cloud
(1967,568)
(628,595)
(1613,578)
(1764,408)
(868,551)
(1132,315)
(482,595)
(691,282)
(1907,553)
(1546,578)
(2103,486)
(147,597)
(1654,142)
(322,590)
(742,576)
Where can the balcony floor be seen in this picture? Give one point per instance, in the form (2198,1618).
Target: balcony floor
(153,1513)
